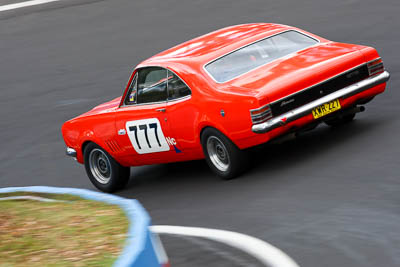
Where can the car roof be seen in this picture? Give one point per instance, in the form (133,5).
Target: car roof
(205,48)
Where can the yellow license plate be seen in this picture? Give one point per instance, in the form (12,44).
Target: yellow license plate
(326,108)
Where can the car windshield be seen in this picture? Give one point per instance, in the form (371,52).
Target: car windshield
(257,54)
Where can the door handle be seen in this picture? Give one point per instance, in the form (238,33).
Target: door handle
(161,110)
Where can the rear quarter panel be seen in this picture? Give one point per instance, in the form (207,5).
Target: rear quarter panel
(227,110)
(369,53)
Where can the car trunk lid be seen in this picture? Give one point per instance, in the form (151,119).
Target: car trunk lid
(299,71)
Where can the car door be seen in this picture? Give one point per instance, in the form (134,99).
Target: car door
(141,121)
(183,117)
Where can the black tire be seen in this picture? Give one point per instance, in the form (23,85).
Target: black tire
(340,120)
(103,171)
(222,156)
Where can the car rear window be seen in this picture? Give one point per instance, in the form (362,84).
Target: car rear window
(257,54)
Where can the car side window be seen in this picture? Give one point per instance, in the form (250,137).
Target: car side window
(151,85)
(131,97)
(176,87)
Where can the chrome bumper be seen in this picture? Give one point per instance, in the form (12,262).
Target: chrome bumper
(299,112)
(71,152)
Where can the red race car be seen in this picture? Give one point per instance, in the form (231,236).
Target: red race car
(216,95)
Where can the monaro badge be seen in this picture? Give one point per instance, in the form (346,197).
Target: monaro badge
(352,74)
(283,103)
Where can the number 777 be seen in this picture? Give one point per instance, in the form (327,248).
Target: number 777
(144,128)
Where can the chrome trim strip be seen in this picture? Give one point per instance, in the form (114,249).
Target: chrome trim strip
(373,67)
(376,68)
(261,120)
(265,113)
(142,104)
(261,117)
(306,109)
(190,89)
(159,102)
(257,109)
(71,152)
(374,60)
(181,99)
(230,52)
(376,71)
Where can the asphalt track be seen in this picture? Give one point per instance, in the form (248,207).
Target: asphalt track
(328,198)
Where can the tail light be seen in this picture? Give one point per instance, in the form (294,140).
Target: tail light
(375,66)
(261,114)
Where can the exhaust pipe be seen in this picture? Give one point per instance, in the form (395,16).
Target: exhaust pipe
(359,109)
(345,112)
(352,110)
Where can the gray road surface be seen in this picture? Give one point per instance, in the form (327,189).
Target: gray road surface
(328,198)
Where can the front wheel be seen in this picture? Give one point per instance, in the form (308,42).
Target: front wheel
(103,171)
(223,157)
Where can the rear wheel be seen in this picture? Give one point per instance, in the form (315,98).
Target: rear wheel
(103,171)
(223,157)
(340,120)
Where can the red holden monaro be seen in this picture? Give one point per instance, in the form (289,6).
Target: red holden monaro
(216,95)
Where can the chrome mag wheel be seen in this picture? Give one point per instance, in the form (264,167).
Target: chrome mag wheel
(100,166)
(218,153)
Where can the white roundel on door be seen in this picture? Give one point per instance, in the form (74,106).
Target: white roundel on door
(146,136)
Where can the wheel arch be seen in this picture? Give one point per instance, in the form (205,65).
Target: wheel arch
(84,145)
(222,131)
(86,142)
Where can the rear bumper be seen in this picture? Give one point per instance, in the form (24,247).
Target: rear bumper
(299,112)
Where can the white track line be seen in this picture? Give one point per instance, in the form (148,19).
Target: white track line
(25,4)
(31,198)
(264,252)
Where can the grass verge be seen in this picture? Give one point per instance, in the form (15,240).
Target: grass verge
(73,232)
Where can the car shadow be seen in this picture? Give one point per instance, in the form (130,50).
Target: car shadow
(264,159)
(307,146)
(140,176)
